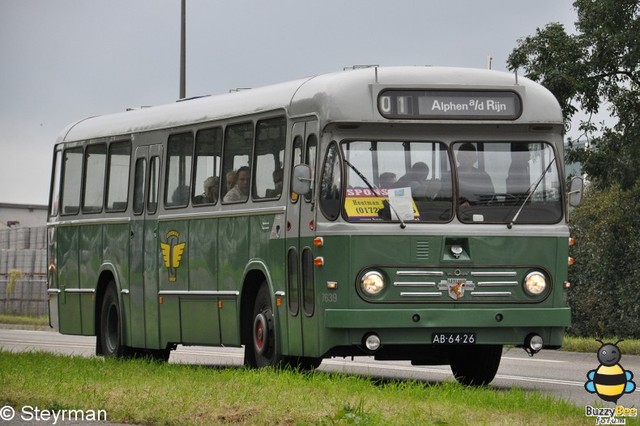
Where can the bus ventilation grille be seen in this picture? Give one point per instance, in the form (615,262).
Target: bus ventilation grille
(421,250)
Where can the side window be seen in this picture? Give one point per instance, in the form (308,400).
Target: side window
(139,185)
(55,184)
(206,183)
(71,179)
(178,183)
(310,159)
(330,184)
(95,164)
(236,163)
(118,180)
(269,158)
(297,159)
(154,177)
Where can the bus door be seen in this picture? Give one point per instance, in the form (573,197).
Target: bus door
(144,324)
(300,233)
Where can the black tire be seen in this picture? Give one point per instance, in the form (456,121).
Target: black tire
(263,350)
(111,324)
(476,365)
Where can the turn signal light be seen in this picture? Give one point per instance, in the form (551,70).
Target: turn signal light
(571,261)
(318,261)
(318,241)
(572,241)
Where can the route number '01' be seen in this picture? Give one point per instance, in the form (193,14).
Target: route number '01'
(403,105)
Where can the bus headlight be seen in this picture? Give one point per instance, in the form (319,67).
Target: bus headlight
(372,283)
(535,283)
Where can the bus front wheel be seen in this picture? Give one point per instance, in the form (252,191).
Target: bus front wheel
(110,324)
(476,365)
(263,351)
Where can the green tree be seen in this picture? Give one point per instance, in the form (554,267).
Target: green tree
(598,65)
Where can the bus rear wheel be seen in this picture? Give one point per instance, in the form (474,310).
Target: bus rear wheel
(476,365)
(263,351)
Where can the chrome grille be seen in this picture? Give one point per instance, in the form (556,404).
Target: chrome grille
(436,284)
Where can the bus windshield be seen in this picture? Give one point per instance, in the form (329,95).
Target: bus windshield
(505,182)
(494,182)
(377,168)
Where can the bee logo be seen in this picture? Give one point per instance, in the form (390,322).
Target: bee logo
(610,380)
(172,252)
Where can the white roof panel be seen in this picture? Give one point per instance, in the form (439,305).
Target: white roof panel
(342,96)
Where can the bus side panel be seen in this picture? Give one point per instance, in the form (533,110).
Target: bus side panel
(68,278)
(200,320)
(233,240)
(116,252)
(174,250)
(90,261)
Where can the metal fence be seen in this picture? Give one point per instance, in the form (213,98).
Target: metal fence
(23,268)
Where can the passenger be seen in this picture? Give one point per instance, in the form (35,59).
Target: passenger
(519,177)
(475,185)
(231,178)
(387,180)
(417,180)
(210,195)
(240,192)
(180,196)
(278,175)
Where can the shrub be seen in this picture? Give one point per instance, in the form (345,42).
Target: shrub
(606,276)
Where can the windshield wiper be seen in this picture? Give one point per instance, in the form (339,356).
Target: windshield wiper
(530,192)
(371,187)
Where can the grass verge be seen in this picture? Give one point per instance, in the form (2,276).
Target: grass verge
(142,392)
(589,344)
(24,320)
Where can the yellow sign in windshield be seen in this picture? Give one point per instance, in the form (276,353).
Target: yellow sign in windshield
(364,205)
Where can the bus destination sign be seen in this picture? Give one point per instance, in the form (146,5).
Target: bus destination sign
(449,105)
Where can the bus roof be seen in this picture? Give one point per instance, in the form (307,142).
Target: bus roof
(346,96)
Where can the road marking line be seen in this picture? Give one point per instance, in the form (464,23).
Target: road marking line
(532,359)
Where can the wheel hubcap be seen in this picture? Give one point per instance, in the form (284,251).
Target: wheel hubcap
(260,333)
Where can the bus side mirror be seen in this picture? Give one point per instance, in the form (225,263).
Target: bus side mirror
(575,191)
(301,179)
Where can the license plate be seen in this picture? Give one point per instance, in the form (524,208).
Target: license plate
(453,338)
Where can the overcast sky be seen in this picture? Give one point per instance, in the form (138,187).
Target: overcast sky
(65,60)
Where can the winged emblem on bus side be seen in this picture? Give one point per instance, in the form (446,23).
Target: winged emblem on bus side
(172,252)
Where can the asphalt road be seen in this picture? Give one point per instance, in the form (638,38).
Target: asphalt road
(556,373)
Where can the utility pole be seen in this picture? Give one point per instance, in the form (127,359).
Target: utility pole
(183,50)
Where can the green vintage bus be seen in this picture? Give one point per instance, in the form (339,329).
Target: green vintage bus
(404,213)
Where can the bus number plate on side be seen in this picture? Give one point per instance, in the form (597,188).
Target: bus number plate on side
(453,338)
